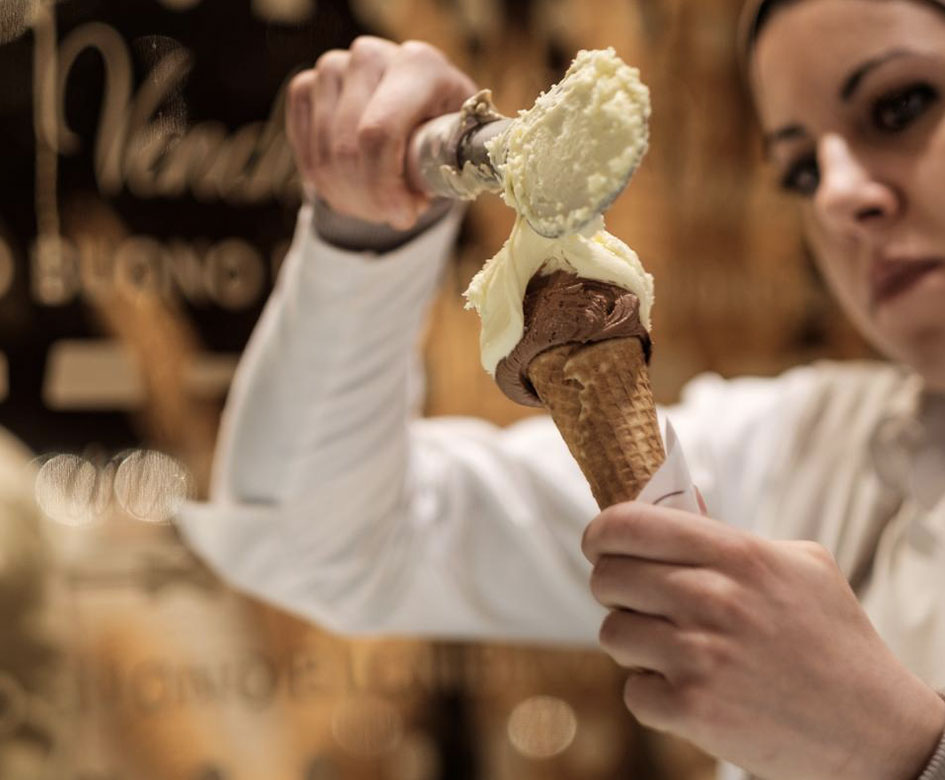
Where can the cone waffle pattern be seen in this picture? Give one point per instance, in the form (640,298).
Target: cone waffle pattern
(600,399)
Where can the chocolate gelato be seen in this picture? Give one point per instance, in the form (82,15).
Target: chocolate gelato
(561,308)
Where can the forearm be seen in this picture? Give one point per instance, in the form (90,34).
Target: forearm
(312,451)
(322,387)
(905,743)
(935,769)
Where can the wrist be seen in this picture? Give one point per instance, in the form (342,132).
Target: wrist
(354,234)
(917,740)
(935,767)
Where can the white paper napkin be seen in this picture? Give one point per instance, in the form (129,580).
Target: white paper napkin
(671,485)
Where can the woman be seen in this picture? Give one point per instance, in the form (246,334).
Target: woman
(792,659)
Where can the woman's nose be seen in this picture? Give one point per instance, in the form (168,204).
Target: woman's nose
(850,199)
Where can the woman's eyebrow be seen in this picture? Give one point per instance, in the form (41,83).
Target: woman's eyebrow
(852,82)
(787,133)
(792,132)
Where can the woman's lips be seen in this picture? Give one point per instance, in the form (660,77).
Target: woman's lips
(890,278)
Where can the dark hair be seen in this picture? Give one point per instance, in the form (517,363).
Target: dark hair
(762,13)
(757,13)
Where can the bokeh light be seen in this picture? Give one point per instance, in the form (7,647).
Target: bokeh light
(69,490)
(542,727)
(151,486)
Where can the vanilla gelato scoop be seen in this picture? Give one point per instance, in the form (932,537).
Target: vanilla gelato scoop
(563,161)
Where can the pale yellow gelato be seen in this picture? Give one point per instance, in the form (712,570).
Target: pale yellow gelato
(562,162)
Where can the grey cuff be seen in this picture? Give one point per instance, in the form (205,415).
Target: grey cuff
(935,769)
(358,235)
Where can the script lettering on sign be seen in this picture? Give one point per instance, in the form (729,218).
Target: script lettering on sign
(143,146)
(154,156)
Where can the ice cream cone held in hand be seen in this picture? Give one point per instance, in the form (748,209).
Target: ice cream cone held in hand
(565,320)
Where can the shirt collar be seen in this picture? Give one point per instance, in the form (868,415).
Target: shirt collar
(912,427)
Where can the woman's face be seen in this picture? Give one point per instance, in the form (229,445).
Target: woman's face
(851,95)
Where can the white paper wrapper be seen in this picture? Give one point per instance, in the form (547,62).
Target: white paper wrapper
(671,485)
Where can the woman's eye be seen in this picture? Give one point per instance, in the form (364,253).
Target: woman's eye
(803,177)
(897,111)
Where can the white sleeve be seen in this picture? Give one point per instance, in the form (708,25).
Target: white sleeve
(734,433)
(328,501)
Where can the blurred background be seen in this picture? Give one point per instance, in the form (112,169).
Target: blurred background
(147,196)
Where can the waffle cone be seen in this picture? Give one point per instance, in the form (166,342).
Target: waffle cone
(600,399)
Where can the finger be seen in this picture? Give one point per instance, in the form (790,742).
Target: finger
(298,121)
(329,70)
(410,95)
(621,582)
(366,66)
(652,700)
(638,641)
(661,534)
(367,62)
(687,596)
(405,98)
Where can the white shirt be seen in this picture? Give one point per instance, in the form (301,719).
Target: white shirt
(330,500)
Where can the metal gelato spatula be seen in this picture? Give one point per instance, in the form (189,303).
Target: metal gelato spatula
(447,157)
